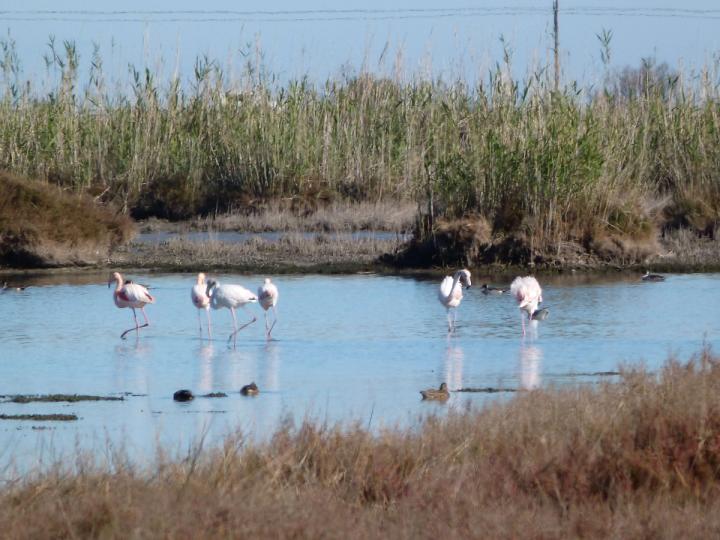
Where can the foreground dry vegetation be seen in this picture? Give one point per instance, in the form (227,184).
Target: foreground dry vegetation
(636,458)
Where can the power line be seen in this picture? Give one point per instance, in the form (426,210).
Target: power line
(319,15)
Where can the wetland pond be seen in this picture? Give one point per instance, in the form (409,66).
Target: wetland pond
(345,348)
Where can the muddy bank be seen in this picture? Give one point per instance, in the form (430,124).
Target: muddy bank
(291,253)
(471,243)
(44,226)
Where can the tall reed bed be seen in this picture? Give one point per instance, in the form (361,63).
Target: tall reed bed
(551,165)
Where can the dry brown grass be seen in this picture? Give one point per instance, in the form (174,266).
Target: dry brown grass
(637,458)
(292,252)
(336,216)
(41,225)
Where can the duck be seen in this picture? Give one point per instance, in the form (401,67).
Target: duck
(183,395)
(440,394)
(6,288)
(652,277)
(250,390)
(492,290)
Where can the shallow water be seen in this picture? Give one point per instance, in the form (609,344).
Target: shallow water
(351,347)
(234,237)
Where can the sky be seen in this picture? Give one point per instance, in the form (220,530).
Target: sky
(321,39)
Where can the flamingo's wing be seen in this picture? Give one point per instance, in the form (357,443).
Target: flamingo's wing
(268,295)
(526,290)
(445,287)
(132,292)
(238,294)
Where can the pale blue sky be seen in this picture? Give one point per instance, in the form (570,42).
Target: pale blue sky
(465,44)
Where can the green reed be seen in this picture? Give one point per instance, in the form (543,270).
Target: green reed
(554,165)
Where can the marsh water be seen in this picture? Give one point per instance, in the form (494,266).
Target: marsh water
(346,348)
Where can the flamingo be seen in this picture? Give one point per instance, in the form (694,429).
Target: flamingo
(528,293)
(133,296)
(201,300)
(231,297)
(450,293)
(268,296)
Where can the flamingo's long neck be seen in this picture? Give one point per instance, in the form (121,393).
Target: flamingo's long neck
(118,284)
(456,278)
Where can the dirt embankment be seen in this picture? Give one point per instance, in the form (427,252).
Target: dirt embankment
(44,226)
(472,242)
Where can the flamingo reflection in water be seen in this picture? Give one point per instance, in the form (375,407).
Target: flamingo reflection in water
(453,366)
(530,364)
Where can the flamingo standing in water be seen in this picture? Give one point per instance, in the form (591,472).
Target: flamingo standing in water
(450,293)
(528,293)
(268,296)
(231,297)
(133,296)
(201,300)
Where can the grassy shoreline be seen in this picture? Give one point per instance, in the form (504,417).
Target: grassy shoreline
(639,457)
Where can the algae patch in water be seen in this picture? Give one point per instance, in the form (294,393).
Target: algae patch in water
(40,417)
(56,398)
(486,390)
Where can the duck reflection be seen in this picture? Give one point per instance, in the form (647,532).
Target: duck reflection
(530,360)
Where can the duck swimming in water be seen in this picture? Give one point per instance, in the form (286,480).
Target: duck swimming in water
(652,277)
(440,394)
(250,390)
(492,290)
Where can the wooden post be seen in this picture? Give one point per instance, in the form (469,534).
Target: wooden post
(556,48)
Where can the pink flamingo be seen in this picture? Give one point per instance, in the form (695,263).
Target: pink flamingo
(268,296)
(450,293)
(231,297)
(201,300)
(133,296)
(528,293)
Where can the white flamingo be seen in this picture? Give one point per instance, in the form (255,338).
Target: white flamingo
(528,293)
(268,297)
(201,300)
(450,293)
(231,297)
(133,296)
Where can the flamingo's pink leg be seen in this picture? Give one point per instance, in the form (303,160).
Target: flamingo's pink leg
(274,321)
(147,321)
(137,326)
(235,327)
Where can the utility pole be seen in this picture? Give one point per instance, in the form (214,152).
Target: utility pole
(556,48)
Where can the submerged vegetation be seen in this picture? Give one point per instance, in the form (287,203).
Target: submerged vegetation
(502,169)
(639,457)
